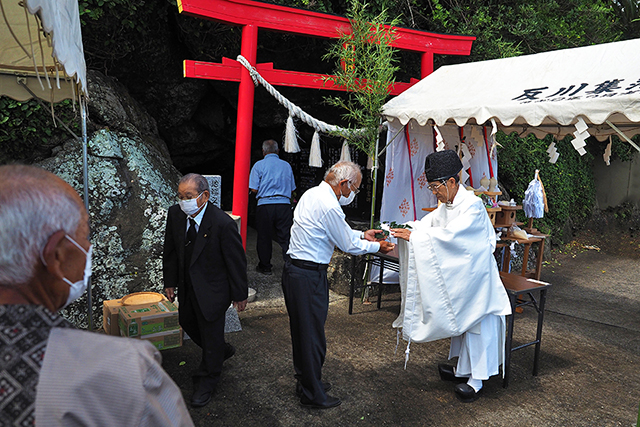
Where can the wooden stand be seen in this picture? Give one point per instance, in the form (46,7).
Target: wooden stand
(507,216)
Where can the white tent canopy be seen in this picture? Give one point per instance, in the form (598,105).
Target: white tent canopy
(41,56)
(41,46)
(545,93)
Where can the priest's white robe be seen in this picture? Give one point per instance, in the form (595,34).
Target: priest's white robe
(451,285)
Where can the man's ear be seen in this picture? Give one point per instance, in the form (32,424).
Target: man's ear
(53,254)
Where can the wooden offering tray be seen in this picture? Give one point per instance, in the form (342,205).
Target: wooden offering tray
(488,193)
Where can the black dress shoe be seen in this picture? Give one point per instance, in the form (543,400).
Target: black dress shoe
(327,387)
(331,402)
(447,373)
(466,393)
(201,398)
(229,351)
(265,271)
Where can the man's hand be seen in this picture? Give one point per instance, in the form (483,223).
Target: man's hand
(171,293)
(401,233)
(386,247)
(370,235)
(240,305)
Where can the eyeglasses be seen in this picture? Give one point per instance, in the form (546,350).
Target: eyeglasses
(356,191)
(434,188)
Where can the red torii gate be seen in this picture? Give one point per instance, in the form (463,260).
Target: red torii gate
(252,15)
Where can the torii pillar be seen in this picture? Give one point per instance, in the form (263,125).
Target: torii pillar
(242,164)
(252,15)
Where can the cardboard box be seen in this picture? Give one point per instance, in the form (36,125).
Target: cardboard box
(165,340)
(110,310)
(147,319)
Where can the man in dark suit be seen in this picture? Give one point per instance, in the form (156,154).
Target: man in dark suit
(204,259)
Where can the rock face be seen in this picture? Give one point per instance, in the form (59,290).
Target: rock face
(131,184)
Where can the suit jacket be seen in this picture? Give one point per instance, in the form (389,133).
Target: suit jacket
(218,265)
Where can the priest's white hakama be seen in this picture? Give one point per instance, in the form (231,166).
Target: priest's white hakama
(451,286)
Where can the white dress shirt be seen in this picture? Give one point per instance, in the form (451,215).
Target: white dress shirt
(319,226)
(197,219)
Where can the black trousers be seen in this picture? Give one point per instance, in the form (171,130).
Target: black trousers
(306,295)
(273,222)
(208,335)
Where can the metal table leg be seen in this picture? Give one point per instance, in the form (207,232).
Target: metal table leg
(543,298)
(353,283)
(508,341)
(380,281)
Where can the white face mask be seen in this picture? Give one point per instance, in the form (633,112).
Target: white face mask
(344,201)
(78,288)
(189,207)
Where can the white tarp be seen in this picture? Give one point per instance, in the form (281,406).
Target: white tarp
(542,94)
(41,42)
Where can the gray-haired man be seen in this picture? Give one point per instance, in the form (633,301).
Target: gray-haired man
(81,377)
(204,259)
(271,179)
(318,226)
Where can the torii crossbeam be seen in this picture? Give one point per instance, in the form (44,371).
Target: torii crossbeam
(252,15)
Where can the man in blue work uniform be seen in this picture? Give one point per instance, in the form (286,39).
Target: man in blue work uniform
(271,179)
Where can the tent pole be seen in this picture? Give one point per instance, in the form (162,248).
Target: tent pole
(625,137)
(85,173)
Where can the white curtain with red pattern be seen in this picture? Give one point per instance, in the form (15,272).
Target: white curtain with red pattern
(405,193)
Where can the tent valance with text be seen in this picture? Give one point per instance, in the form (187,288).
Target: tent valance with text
(544,93)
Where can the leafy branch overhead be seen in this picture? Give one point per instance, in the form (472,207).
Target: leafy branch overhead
(365,66)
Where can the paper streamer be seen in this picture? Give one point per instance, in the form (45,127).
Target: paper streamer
(345,155)
(607,152)
(581,133)
(439,139)
(553,153)
(466,157)
(494,142)
(291,137)
(369,163)
(315,156)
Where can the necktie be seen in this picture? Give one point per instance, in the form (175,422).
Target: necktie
(190,242)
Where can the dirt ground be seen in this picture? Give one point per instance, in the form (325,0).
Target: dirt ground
(588,365)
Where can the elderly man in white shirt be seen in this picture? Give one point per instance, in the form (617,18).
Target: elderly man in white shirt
(318,226)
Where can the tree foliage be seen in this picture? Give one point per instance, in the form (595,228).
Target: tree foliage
(628,12)
(28,131)
(365,66)
(509,28)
